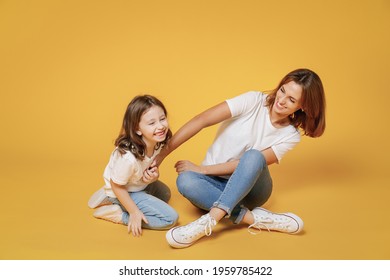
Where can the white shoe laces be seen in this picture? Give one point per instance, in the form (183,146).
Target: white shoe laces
(204,223)
(265,223)
(257,225)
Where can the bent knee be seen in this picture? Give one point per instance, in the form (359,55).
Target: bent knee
(171,220)
(254,156)
(185,180)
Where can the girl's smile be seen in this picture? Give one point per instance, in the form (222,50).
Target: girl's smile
(153,126)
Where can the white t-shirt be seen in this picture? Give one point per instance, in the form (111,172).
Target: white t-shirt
(126,170)
(249,128)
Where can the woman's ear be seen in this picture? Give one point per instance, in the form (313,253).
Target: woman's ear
(139,133)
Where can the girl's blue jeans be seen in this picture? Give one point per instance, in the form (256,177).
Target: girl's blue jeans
(153,203)
(249,186)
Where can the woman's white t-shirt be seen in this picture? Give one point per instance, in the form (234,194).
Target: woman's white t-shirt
(126,170)
(249,128)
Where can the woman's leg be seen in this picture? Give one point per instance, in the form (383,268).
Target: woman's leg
(249,186)
(221,196)
(201,190)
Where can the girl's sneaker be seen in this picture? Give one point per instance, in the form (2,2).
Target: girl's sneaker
(112,213)
(99,198)
(184,236)
(283,222)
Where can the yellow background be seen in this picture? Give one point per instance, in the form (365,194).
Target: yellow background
(68,69)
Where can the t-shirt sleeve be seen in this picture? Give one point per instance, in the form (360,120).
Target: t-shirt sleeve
(243,103)
(288,144)
(123,169)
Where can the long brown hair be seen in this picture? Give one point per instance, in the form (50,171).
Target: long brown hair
(311,118)
(128,139)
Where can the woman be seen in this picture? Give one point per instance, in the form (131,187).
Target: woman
(256,130)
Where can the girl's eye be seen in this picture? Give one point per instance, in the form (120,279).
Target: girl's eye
(152,123)
(292,100)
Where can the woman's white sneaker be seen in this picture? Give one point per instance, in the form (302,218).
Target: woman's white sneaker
(185,236)
(112,213)
(283,222)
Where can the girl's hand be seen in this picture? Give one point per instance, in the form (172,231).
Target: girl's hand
(185,165)
(135,223)
(150,175)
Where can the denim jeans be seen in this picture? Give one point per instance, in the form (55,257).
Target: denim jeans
(153,203)
(249,186)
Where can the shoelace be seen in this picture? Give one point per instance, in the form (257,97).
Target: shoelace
(257,226)
(207,221)
(262,223)
(210,222)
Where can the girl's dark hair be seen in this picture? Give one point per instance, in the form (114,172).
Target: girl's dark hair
(311,118)
(128,139)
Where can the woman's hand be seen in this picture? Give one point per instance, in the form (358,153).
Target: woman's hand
(185,165)
(135,223)
(150,175)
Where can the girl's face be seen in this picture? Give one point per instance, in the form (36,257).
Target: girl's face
(288,99)
(153,126)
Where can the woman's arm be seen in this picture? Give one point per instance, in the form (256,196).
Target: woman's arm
(207,118)
(221,169)
(135,215)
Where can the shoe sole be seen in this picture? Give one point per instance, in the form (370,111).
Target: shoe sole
(104,211)
(290,215)
(173,243)
(97,198)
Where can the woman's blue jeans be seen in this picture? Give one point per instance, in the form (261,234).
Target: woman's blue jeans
(249,186)
(153,203)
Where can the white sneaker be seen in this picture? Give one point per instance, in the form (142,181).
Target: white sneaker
(99,198)
(112,213)
(184,236)
(283,222)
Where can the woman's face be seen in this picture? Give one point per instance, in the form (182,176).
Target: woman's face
(288,99)
(153,126)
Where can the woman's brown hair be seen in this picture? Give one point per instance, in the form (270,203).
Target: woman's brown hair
(311,118)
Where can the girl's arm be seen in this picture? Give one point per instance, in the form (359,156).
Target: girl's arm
(207,118)
(135,215)
(220,169)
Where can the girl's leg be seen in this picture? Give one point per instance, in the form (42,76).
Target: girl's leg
(159,214)
(159,190)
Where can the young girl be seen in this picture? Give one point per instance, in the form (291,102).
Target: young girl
(132,195)
(257,130)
